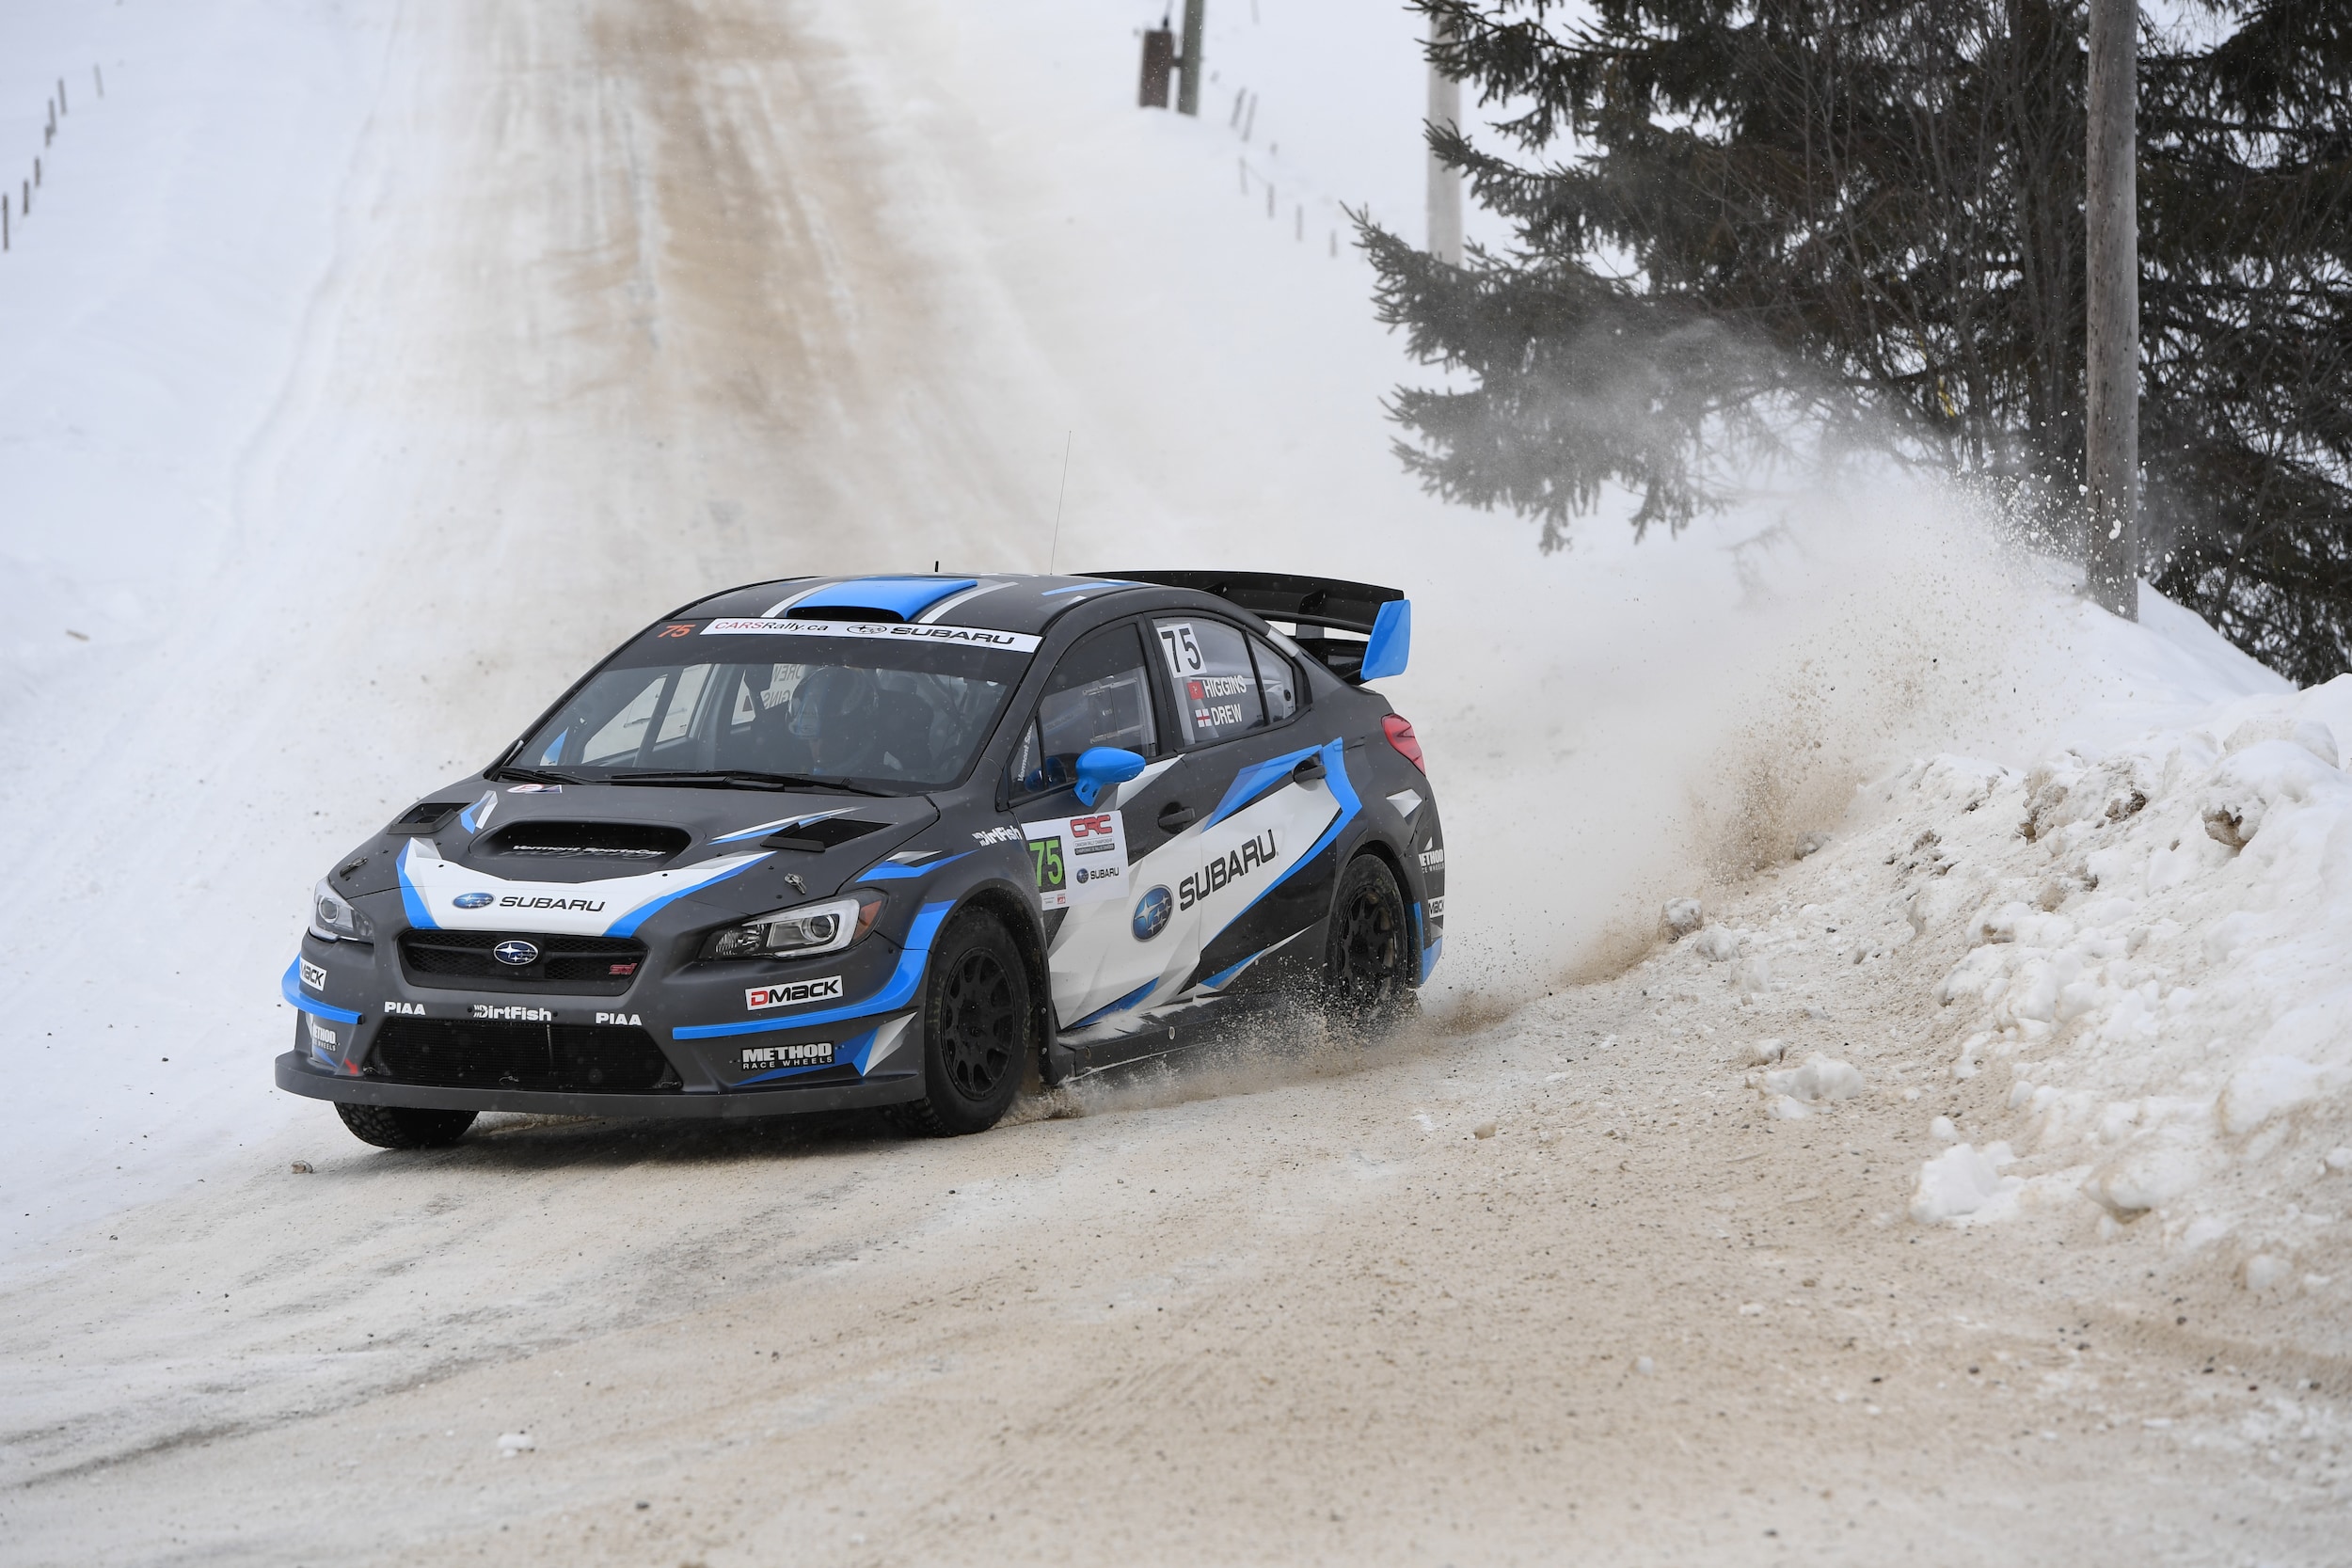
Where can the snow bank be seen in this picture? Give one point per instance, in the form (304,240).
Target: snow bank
(2153,941)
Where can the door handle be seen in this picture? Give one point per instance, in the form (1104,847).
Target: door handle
(1175,816)
(1309,770)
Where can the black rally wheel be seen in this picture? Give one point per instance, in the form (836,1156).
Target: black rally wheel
(1368,961)
(403,1126)
(978,1033)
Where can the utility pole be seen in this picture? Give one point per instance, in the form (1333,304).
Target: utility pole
(1445,184)
(1188,93)
(2111,328)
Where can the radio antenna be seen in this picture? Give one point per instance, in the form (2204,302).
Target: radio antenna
(1053,553)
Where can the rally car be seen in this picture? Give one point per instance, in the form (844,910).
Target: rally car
(888,840)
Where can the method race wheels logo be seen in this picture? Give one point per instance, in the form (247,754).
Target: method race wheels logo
(515,953)
(471,900)
(1152,912)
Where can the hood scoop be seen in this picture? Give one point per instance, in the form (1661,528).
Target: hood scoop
(640,844)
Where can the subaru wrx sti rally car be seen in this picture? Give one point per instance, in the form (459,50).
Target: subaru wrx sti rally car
(826,842)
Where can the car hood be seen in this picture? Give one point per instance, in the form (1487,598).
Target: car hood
(600,860)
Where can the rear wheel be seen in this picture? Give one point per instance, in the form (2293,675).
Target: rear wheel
(1368,961)
(978,1037)
(405,1126)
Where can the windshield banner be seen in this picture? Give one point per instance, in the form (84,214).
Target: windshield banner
(886,631)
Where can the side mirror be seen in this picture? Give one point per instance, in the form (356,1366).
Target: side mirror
(1101,766)
(1391,641)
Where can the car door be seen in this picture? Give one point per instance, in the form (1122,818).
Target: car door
(1101,694)
(1220,840)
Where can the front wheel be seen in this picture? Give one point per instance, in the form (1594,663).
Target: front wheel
(978,1033)
(405,1126)
(1368,962)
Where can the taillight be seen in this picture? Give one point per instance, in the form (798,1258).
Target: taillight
(1400,731)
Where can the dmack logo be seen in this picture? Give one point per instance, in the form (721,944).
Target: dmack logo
(791,993)
(1228,868)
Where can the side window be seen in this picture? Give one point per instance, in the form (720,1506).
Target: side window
(1277,678)
(1099,696)
(1216,689)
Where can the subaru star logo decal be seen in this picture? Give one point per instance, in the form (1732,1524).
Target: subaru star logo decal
(515,953)
(471,900)
(1152,911)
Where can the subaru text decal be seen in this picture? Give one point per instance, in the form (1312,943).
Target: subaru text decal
(1226,869)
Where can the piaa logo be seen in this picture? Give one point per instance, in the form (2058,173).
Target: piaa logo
(1152,912)
(471,900)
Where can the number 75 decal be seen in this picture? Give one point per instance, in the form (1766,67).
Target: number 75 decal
(1184,653)
(1078,860)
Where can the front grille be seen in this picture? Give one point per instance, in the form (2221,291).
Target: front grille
(455,1054)
(577,966)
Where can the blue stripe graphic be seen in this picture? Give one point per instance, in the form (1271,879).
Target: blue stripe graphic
(1130,999)
(890,870)
(1335,775)
(900,988)
(1257,780)
(411,900)
(292,986)
(626,925)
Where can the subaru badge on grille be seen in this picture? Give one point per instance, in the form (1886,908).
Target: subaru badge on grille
(516,952)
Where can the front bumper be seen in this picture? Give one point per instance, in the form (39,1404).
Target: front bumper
(295,1075)
(370,1033)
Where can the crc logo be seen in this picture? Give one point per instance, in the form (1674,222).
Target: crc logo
(516,952)
(1152,912)
(1091,827)
(471,900)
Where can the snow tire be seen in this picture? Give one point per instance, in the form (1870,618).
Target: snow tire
(405,1126)
(1368,959)
(978,1031)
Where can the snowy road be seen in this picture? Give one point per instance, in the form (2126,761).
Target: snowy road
(628,300)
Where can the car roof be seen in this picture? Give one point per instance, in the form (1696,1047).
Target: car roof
(999,601)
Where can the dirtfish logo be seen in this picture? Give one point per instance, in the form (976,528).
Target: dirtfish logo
(1228,868)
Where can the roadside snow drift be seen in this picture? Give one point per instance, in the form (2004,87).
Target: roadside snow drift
(2153,944)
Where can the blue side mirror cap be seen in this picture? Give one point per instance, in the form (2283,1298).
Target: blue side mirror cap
(1392,642)
(1101,766)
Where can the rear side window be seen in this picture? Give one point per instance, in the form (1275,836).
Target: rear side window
(1216,686)
(1099,695)
(1278,679)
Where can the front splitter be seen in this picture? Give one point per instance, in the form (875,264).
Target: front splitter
(883,1088)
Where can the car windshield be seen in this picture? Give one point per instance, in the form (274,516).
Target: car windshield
(864,706)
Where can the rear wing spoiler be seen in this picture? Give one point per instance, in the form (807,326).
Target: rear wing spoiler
(1375,623)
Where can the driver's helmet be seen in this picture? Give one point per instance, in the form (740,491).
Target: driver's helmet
(834,707)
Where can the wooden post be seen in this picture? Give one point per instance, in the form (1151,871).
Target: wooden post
(1159,63)
(3,223)
(1188,95)
(2111,327)
(100,78)
(1445,185)
(61,105)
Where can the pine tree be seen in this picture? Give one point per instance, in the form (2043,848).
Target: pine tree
(1861,220)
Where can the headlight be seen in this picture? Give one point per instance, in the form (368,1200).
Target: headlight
(799,933)
(333,918)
